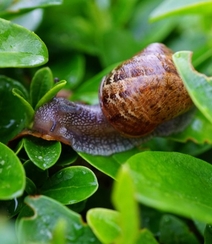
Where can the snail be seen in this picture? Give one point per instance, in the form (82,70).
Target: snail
(141,98)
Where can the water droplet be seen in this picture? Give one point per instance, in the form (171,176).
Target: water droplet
(60,175)
(2,162)
(10,123)
(40,157)
(16,204)
(166,219)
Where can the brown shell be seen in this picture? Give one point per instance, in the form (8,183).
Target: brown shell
(143,92)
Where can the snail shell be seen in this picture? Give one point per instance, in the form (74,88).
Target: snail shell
(141,98)
(144,92)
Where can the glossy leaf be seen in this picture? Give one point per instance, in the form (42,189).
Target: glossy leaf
(169,225)
(14,117)
(51,93)
(42,153)
(198,85)
(111,164)
(158,181)
(41,83)
(25,5)
(198,131)
(172,7)
(146,237)
(105,164)
(126,206)
(20,47)
(105,224)
(48,213)
(12,174)
(29,111)
(71,185)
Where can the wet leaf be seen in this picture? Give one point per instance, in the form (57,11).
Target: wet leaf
(71,185)
(41,83)
(169,225)
(199,86)
(20,47)
(48,214)
(173,182)
(51,93)
(12,174)
(15,115)
(42,153)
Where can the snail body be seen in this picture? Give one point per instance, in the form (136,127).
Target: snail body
(141,98)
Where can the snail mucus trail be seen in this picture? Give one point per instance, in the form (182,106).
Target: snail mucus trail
(141,98)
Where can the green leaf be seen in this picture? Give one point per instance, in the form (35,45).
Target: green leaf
(71,185)
(41,83)
(12,207)
(70,69)
(42,153)
(48,214)
(12,175)
(30,188)
(104,223)
(35,174)
(7,232)
(59,233)
(20,47)
(127,207)
(67,157)
(122,17)
(14,117)
(172,7)
(173,182)
(123,50)
(27,107)
(25,4)
(146,237)
(198,131)
(168,234)
(22,6)
(111,164)
(208,234)
(107,165)
(51,93)
(198,85)
(146,32)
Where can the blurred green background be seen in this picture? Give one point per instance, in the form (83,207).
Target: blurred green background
(85,36)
